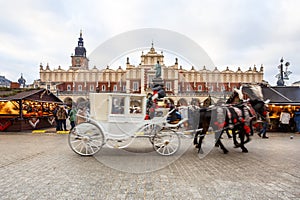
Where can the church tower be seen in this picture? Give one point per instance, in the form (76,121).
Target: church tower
(79,60)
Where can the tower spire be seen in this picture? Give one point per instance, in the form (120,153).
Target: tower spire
(80,50)
(152,50)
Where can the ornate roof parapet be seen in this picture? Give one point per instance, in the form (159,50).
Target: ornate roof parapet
(227,70)
(47,67)
(254,68)
(216,70)
(119,69)
(261,68)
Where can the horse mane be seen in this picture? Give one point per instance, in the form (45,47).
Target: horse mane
(207,102)
(234,98)
(254,92)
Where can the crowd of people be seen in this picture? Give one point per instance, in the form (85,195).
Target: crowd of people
(288,121)
(61,114)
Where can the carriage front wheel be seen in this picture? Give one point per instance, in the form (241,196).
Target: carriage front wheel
(166,142)
(86,139)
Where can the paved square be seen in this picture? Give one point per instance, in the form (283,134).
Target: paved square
(42,166)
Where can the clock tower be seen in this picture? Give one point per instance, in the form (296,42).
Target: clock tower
(79,60)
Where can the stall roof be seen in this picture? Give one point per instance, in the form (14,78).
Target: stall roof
(286,95)
(41,95)
(281,95)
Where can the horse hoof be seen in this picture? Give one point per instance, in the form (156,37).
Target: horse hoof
(200,151)
(225,151)
(245,150)
(237,145)
(248,140)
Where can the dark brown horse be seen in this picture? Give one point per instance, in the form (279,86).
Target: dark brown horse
(235,117)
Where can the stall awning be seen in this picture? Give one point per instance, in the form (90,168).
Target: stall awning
(41,95)
(285,95)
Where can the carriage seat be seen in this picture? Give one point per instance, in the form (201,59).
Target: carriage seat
(174,117)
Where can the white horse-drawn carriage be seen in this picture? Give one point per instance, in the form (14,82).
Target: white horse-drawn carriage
(116,119)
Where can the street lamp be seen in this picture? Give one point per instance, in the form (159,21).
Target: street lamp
(280,76)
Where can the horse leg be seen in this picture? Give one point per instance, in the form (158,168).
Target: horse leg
(197,143)
(200,150)
(228,135)
(196,139)
(247,138)
(242,137)
(219,143)
(235,142)
(218,137)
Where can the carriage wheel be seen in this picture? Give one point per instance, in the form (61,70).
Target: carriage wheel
(151,130)
(166,142)
(86,139)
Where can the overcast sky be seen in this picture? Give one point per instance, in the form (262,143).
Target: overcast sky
(234,33)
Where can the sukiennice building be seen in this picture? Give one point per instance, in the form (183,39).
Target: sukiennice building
(182,83)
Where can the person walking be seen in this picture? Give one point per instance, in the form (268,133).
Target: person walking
(62,116)
(297,120)
(284,119)
(263,132)
(55,117)
(72,118)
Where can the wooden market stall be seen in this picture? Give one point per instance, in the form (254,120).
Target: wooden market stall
(28,110)
(281,98)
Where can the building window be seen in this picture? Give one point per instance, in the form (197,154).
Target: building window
(124,87)
(68,87)
(115,88)
(80,88)
(103,88)
(135,86)
(199,88)
(188,87)
(212,88)
(168,86)
(222,88)
(92,88)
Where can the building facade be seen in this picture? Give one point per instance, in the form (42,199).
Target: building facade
(79,79)
(4,82)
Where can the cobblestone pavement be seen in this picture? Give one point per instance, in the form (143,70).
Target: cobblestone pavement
(42,166)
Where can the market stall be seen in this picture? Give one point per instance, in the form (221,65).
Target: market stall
(282,98)
(28,110)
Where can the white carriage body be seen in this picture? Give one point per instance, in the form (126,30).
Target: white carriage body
(120,115)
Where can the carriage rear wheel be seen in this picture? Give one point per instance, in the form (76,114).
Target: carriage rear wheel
(86,139)
(166,142)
